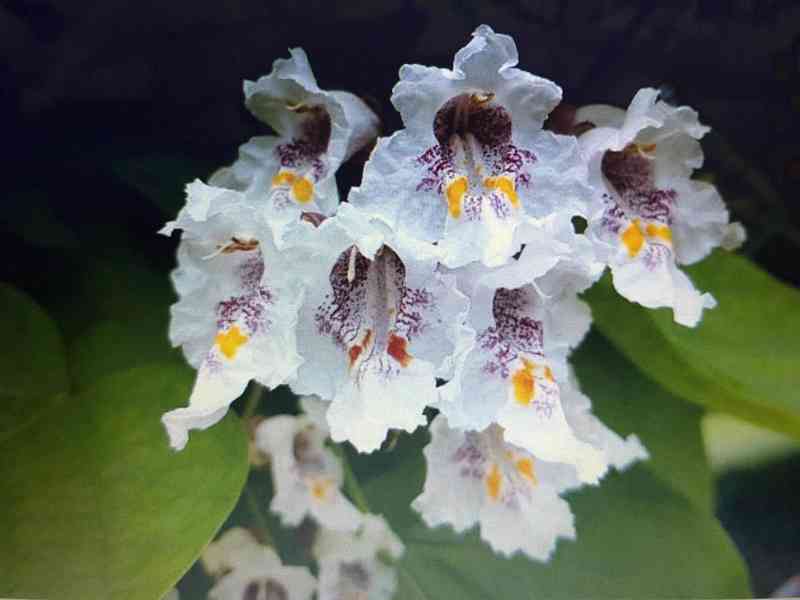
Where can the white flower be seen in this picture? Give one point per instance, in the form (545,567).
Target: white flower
(473,161)
(317,131)
(237,308)
(356,566)
(478,477)
(246,570)
(654,215)
(377,328)
(307,476)
(527,318)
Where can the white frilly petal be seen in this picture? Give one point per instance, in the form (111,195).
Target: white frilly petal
(651,215)
(237,308)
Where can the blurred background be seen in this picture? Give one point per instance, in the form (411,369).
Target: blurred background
(109,108)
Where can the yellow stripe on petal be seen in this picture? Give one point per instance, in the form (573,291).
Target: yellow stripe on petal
(319,488)
(302,188)
(230,341)
(455,191)
(525,468)
(494,483)
(523,383)
(283,178)
(505,185)
(659,231)
(633,238)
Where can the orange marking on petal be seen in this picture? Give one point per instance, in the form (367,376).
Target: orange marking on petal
(659,231)
(397,350)
(455,191)
(303,190)
(525,468)
(633,238)
(548,374)
(494,483)
(230,341)
(505,185)
(319,489)
(356,350)
(523,383)
(283,178)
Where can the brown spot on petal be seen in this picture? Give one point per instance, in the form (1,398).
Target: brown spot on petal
(397,350)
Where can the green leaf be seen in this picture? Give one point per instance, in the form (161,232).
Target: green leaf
(30,216)
(646,532)
(33,365)
(161,179)
(743,357)
(735,444)
(96,505)
(92,290)
(112,346)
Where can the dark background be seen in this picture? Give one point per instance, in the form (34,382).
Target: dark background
(91,88)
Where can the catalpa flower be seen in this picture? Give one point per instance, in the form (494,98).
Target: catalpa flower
(378,326)
(357,566)
(527,319)
(480,478)
(237,308)
(473,161)
(247,570)
(654,215)
(307,476)
(317,130)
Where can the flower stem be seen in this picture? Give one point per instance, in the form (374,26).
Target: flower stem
(254,394)
(261,521)
(351,485)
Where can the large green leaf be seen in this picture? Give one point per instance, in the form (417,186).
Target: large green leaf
(743,357)
(33,365)
(111,346)
(97,506)
(90,290)
(647,532)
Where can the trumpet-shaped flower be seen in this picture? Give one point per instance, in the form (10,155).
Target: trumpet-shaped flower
(527,319)
(473,161)
(357,565)
(378,326)
(307,476)
(246,570)
(237,308)
(654,216)
(317,130)
(514,495)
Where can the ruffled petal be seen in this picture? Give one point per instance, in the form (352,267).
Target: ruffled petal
(237,309)
(652,215)
(473,162)
(378,326)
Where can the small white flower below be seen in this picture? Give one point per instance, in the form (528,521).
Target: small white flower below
(307,476)
(357,566)
(479,478)
(247,570)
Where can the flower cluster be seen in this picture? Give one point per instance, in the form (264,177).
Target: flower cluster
(450,279)
(352,566)
(355,552)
